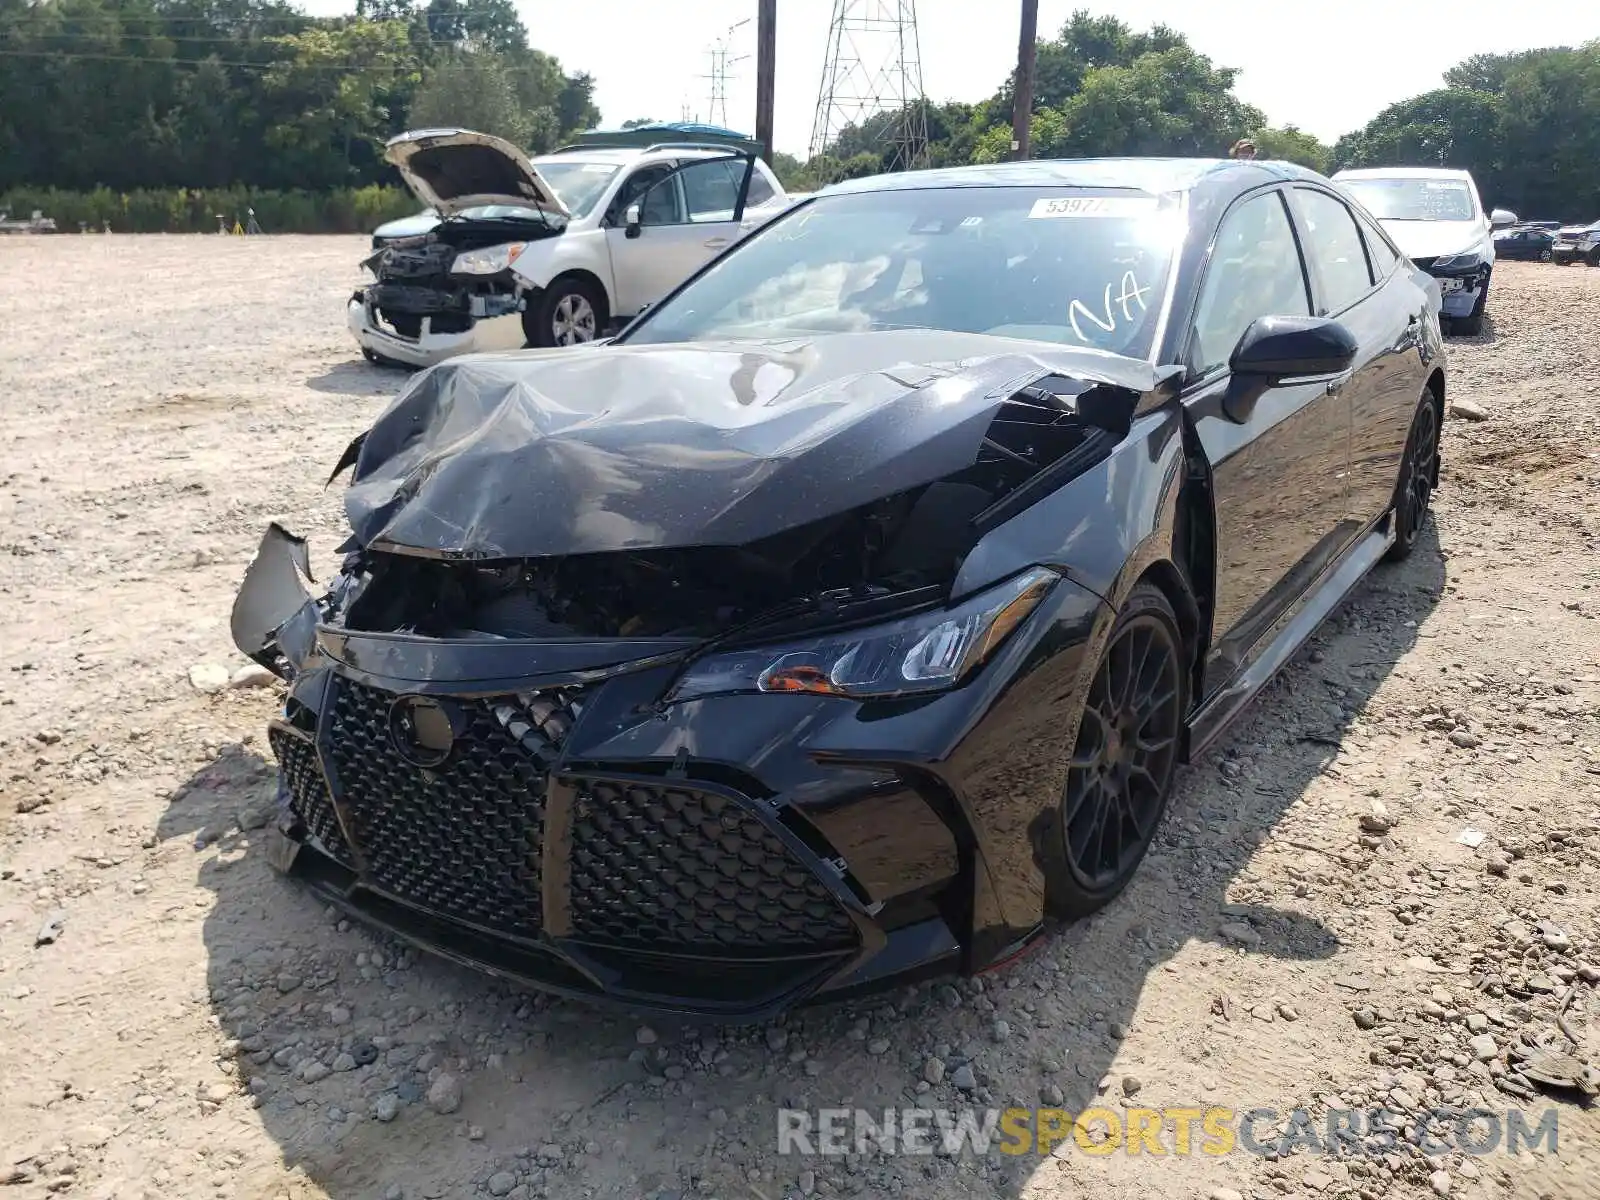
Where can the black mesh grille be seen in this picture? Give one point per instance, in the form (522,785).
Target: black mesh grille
(308,792)
(654,866)
(463,839)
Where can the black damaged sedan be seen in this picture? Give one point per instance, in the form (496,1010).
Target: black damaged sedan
(846,617)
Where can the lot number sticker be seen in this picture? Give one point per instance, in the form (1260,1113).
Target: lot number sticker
(1093,206)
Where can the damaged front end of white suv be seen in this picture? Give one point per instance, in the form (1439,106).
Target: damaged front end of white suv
(450,290)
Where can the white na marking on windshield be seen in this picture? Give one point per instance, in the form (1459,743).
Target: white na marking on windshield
(1131,293)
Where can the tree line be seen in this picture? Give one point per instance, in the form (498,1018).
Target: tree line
(159,113)
(1527,125)
(163,110)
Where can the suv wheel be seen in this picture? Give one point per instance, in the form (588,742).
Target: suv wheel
(569,312)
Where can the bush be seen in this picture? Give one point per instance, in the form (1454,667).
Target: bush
(179,210)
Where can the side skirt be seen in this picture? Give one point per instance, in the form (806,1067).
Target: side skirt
(1217,713)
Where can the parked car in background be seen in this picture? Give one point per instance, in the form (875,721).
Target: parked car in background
(552,250)
(404,227)
(1435,217)
(37,223)
(1577,243)
(1524,243)
(846,617)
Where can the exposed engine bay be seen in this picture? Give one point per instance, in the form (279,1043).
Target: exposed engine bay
(900,550)
(454,274)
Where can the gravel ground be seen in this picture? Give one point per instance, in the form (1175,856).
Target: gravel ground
(175,1021)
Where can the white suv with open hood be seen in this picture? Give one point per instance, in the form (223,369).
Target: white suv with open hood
(1435,217)
(550,251)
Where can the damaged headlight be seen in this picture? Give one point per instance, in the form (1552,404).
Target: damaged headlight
(1457,262)
(917,654)
(490,260)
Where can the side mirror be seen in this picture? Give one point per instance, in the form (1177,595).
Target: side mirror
(630,222)
(1278,350)
(1502,218)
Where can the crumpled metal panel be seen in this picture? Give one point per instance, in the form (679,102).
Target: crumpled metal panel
(628,447)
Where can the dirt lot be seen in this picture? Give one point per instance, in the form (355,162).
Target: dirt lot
(175,1021)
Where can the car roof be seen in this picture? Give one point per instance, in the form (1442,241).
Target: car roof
(622,155)
(1143,174)
(1404,173)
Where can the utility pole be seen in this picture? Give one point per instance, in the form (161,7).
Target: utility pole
(1022,100)
(766,71)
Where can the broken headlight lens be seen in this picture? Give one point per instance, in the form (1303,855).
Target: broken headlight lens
(916,654)
(490,260)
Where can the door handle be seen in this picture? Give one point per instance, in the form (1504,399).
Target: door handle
(716,243)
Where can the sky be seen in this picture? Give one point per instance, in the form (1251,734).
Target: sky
(1328,69)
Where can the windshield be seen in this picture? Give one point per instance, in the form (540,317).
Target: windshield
(579,184)
(1084,267)
(1413,199)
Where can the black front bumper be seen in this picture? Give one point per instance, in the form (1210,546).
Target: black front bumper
(531,809)
(645,887)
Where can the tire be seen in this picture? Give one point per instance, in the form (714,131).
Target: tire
(1413,490)
(570,312)
(1593,260)
(1544,256)
(1124,757)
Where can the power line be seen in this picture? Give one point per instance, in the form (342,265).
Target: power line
(874,66)
(72,55)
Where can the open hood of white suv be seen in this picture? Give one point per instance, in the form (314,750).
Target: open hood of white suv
(454,169)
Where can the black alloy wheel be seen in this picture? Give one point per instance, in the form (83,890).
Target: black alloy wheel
(1125,756)
(1418,470)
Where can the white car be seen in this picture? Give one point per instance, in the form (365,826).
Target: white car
(1436,218)
(551,250)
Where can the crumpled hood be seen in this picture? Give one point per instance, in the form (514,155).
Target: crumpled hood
(1431,239)
(606,448)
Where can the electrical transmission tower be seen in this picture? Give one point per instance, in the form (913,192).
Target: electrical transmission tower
(721,61)
(874,69)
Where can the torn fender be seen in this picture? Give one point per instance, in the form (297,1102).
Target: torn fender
(275,613)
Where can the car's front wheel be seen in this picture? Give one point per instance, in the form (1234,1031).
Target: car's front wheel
(1419,468)
(569,312)
(1124,757)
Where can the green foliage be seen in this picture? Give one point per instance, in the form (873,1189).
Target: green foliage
(344,210)
(1100,88)
(1526,125)
(146,95)
(1293,145)
(473,88)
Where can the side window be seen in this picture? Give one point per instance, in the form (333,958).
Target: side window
(1255,271)
(1334,243)
(760,190)
(1379,252)
(633,191)
(711,188)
